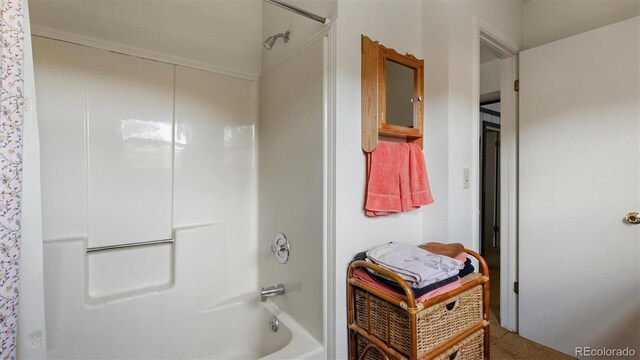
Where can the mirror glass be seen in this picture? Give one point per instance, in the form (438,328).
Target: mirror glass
(399,94)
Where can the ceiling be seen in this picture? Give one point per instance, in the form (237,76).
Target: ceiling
(224,34)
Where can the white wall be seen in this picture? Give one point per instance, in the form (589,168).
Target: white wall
(435,44)
(213,166)
(489,79)
(455,23)
(291,183)
(550,20)
(355,231)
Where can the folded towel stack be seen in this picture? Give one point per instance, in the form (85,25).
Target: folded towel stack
(427,273)
(414,264)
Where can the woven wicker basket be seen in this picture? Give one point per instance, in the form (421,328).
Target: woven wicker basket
(362,343)
(471,348)
(434,325)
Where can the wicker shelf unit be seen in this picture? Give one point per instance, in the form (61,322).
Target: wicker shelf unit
(453,325)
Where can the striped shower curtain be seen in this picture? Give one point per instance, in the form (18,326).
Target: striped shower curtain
(11,120)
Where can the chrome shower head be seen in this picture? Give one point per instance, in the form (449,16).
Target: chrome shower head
(268,44)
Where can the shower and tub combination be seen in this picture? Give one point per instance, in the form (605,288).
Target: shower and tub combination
(169,180)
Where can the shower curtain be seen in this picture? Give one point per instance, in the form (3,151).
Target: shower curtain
(11,121)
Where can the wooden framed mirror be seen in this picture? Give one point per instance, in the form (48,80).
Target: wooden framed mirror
(392,95)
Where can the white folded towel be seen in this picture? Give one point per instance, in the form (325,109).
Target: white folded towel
(415,264)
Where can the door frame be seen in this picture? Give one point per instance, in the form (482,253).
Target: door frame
(507,50)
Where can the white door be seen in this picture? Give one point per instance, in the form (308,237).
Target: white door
(579,176)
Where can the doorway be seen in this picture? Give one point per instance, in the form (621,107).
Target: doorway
(490,197)
(495,73)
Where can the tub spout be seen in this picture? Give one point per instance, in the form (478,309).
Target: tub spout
(270,291)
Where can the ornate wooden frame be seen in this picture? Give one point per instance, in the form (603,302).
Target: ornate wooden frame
(374,86)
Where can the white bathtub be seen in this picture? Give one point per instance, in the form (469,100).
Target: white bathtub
(301,344)
(248,334)
(236,329)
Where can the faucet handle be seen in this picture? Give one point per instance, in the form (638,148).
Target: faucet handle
(277,249)
(280,248)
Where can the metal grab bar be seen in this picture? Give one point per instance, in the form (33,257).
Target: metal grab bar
(129,245)
(298,11)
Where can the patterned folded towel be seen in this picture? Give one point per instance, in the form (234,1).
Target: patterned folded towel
(414,264)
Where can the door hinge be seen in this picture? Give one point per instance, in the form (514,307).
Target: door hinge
(498,144)
(496,228)
(516,287)
(516,85)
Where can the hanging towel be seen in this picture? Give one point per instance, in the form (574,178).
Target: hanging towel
(419,180)
(386,179)
(396,179)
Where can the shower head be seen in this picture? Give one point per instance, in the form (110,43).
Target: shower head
(268,44)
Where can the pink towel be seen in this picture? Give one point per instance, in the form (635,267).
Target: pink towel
(439,291)
(462,256)
(397,179)
(420,190)
(363,275)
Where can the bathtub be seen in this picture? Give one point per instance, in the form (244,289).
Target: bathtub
(300,345)
(237,329)
(249,334)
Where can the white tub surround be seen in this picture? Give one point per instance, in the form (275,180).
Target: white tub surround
(196,158)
